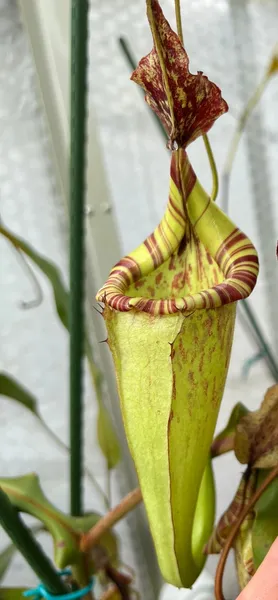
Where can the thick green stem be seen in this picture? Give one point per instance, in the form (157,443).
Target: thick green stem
(29,547)
(79,33)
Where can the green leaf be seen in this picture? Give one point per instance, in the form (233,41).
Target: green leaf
(11,593)
(107,438)
(226,522)
(12,389)
(26,495)
(8,553)
(6,557)
(265,528)
(61,298)
(60,293)
(204,516)
(224,441)
(256,438)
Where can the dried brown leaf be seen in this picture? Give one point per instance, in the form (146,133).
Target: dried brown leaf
(230,516)
(256,439)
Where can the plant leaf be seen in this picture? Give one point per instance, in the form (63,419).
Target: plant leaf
(107,439)
(12,389)
(61,297)
(265,528)
(9,551)
(11,593)
(230,516)
(60,293)
(186,104)
(26,495)
(256,440)
(244,552)
(6,557)
(204,515)
(224,441)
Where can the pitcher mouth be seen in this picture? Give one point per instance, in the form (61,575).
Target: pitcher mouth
(237,261)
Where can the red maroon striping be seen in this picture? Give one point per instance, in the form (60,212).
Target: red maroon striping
(241,248)
(131,265)
(210,297)
(170,228)
(187,177)
(238,238)
(222,293)
(145,305)
(118,272)
(174,217)
(174,170)
(248,278)
(177,210)
(154,250)
(225,245)
(231,293)
(190,181)
(202,214)
(204,298)
(238,251)
(121,303)
(248,258)
(164,237)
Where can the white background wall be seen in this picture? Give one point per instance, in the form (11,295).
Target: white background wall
(33,344)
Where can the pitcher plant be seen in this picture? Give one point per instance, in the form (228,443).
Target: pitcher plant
(170,308)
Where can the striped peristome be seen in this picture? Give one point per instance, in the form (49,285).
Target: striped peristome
(193,220)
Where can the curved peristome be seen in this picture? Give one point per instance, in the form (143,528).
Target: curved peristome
(195,259)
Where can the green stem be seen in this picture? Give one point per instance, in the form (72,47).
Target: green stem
(79,33)
(263,345)
(213,168)
(108,488)
(29,547)
(81,575)
(250,106)
(178,19)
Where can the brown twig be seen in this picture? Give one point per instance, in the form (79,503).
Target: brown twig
(224,555)
(129,502)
